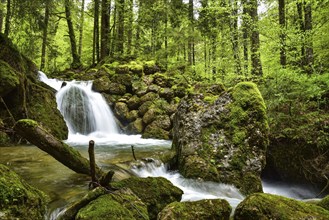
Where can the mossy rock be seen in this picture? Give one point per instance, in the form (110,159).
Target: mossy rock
(121,204)
(324,203)
(155,192)
(121,110)
(206,209)
(123,79)
(166,93)
(162,80)
(117,89)
(19,200)
(150,67)
(135,127)
(134,102)
(139,88)
(42,107)
(144,108)
(222,137)
(154,131)
(267,206)
(102,84)
(150,96)
(9,79)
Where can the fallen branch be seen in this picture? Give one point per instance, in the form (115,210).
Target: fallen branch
(37,135)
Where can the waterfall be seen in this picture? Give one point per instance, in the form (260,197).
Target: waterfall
(85,111)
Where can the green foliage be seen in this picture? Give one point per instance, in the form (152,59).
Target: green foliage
(297,106)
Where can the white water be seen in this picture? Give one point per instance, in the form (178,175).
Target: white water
(104,131)
(94,115)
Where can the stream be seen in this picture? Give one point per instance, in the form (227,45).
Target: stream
(77,101)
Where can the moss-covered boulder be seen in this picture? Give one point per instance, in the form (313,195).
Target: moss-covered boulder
(23,95)
(206,209)
(155,192)
(122,204)
(324,203)
(135,127)
(154,131)
(19,200)
(267,206)
(102,84)
(222,137)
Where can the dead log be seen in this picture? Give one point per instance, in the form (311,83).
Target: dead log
(40,137)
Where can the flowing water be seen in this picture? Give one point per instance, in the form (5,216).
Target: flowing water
(97,123)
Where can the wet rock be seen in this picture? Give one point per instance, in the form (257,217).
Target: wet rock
(121,110)
(135,127)
(206,209)
(134,102)
(267,206)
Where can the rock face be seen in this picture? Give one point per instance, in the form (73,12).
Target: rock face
(19,200)
(23,96)
(267,206)
(206,209)
(222,136)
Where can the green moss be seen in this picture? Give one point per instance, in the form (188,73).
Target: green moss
(267,206)
(210,99)
(9,79)
(324,203)
(201,210)
(18,199)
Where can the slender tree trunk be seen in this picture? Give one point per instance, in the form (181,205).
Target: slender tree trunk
(8,17)
(308,38)
(245,35)
(235,35)
(282,22)
(255,43)
(44,36)
(302,30)
(82,15)
(121,18)
(76,58)
(2,15)
(96,33)
(191,37)
(213,57)
(105,27)
(130,25)
(114,31)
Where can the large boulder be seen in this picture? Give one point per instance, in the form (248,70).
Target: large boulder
(19,200)
(267,206)
(155,192)
(23,95)
(122,204)
(206,209)
(222,136)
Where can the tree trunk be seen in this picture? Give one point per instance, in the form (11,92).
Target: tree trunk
(235,35)
(245,33)
(282,22)
(121,19)
(302,30)
(96,33)
(76,63)
(45,36)
(2,15)
(114,32)
(82,15)
(130,15)
(68,156)
(308,38)
(190,43)
(255,44)
(8,17)
(105,28)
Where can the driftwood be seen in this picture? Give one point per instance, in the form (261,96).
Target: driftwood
(37,135)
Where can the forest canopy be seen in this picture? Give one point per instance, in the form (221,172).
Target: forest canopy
(212,39)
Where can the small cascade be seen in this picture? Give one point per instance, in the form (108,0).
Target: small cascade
(84,110)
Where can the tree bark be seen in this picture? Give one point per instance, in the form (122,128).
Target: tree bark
(245,35)
(76,63)
(282,22)
(68,156)
(302,30)
(255,43)
(235,35)
(45,36)
(105,28)
(190,48)
(308,38)
(2,15)
(8,17)
(96,33)
(121,18)
(82,16)
(130,15)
